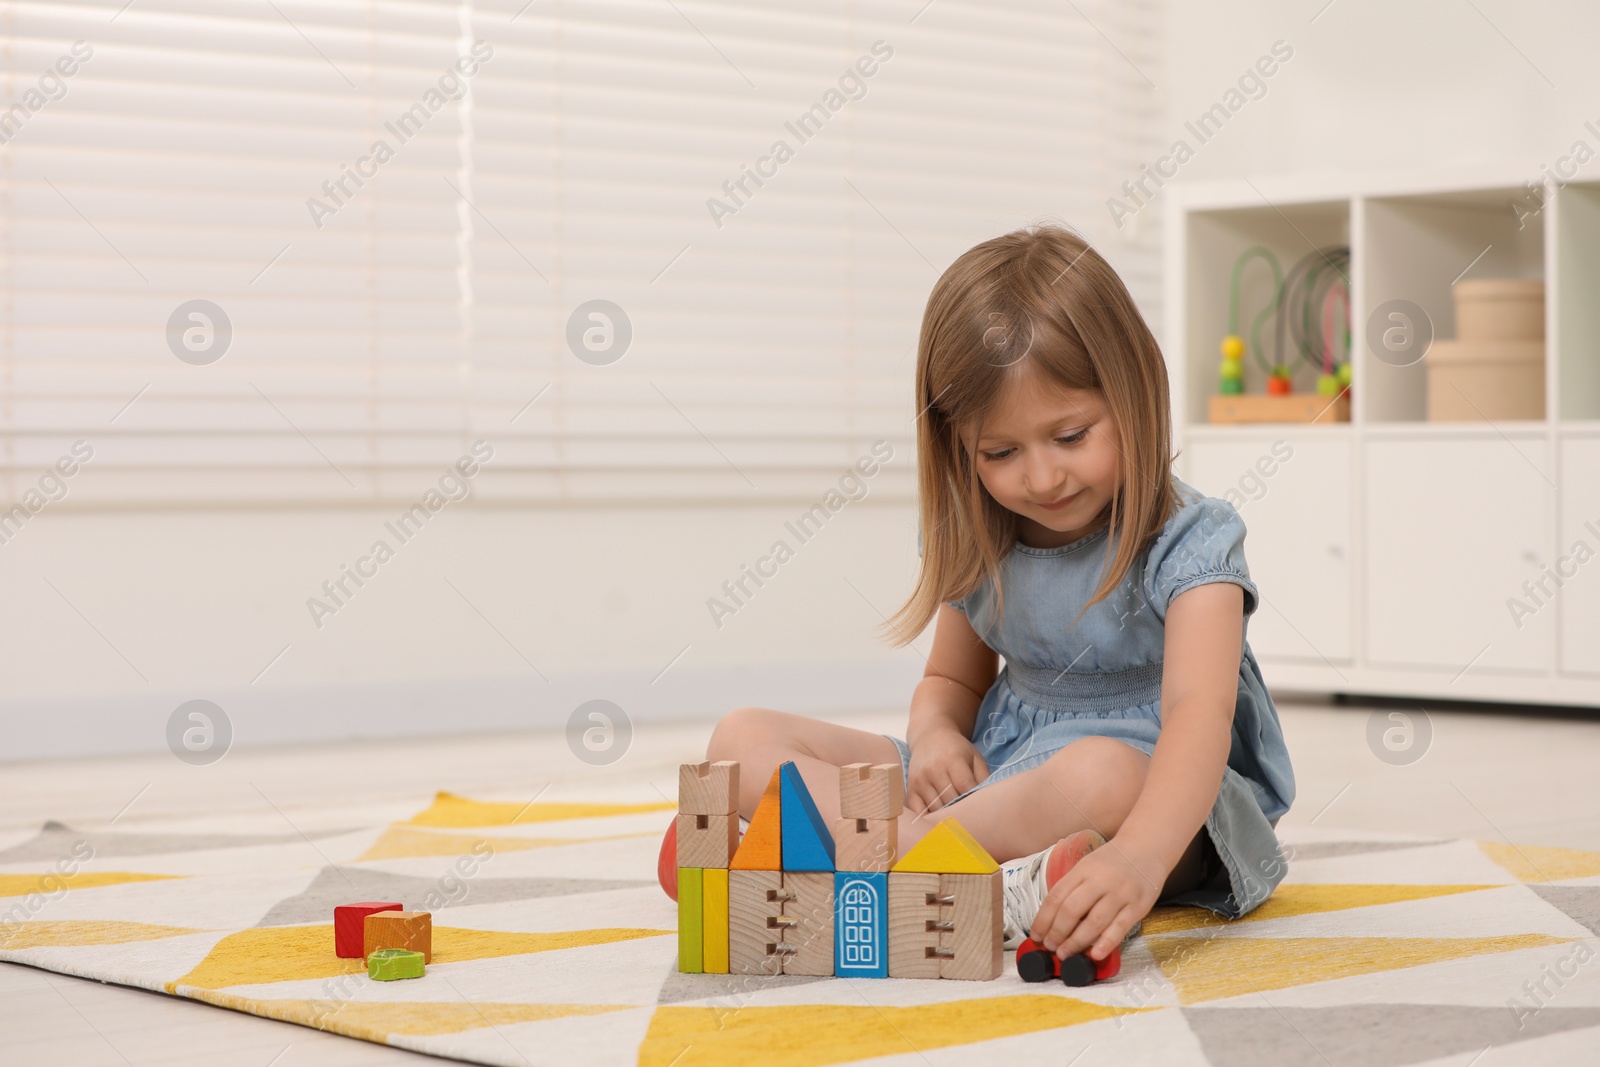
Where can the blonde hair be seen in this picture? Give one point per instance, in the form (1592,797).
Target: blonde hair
(1043,299)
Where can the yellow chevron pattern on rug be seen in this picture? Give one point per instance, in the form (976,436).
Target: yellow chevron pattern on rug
(21,885)
(290,953)
(1210,968)
(376,1022)
(812,1035)
(401,842)
(1298,899)
(85,932)
(1532,863)
(451,811)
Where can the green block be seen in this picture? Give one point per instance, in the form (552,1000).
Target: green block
(691,897)
(388,964)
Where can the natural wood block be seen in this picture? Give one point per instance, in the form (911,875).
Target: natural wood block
(753,899)
(970,946)
(872,791)
(349,926)
(708,788)
(864,845)
(914,917)
(691,916)
(706,840)
(1296,407)
(411,930)
(714,920)
(808,916)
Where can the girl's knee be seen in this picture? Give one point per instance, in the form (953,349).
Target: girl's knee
(1102,775)
(731,736)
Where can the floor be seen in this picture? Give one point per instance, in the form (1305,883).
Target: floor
(1512,775)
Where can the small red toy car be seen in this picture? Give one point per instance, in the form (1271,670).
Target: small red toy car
(1036,964)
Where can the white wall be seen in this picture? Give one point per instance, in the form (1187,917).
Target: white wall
(1381,86)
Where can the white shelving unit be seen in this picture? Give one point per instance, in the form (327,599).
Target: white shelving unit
(1389,550)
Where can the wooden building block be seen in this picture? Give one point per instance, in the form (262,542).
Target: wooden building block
(970,947)
(389,964)
(914,917)
(861,925)
(411,930)
(808,916)
(714,920)
(349,926)
(762,847)
(864,845)
(706,840)
(947,849)
(868,791)
(752,900)
(691,917)
(708,788)
(807,844)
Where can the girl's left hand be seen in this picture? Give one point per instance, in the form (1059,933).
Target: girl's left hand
(1096,903)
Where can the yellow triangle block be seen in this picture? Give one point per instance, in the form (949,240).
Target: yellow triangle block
(948,849)
(813,1035)
(1210,968)
(376,1021)
(1295,899)
(762,846)
(1532,863)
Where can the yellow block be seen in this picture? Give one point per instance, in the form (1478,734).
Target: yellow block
(948,849)
(714,920)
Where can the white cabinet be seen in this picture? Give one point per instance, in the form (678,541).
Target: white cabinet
(1577,561)
(1292,488)
(1454,527)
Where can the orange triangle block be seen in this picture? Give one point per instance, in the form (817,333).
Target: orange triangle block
(948,849)
(762,846)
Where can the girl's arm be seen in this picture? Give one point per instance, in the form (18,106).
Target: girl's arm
(944,709)
(1099,900)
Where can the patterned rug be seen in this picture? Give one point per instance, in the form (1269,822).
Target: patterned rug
(553,944)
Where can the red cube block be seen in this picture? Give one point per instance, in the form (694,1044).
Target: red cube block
(349,926)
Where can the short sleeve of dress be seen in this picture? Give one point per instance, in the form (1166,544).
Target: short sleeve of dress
(1202,543)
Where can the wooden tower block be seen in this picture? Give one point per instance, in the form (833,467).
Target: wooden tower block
(971,948)
(411,930)
(706,840)
(691,937)
(862,845)
(861,925)
(349,926)
(914,917)
(753,898)
(868,791)
(714,919)
(809,915)
(708,788)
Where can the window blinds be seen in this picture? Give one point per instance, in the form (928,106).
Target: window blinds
(284,251)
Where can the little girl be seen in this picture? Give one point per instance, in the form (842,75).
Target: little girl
(1130,711)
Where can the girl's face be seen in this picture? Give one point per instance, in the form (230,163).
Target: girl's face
(1051,456)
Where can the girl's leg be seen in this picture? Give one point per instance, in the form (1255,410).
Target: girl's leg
(762,739)
(1090,784)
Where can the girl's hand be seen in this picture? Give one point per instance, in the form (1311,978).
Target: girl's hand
(944,764)
(1096,903)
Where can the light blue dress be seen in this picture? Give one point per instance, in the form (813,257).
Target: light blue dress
(1102,677)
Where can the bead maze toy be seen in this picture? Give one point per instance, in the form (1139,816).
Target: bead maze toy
(795,897)
(1311,306)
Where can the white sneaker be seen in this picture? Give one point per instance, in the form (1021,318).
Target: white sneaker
(1028,879)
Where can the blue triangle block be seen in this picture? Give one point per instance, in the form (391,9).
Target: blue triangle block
(807,844)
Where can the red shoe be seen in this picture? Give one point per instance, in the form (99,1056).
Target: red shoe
(667,861)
